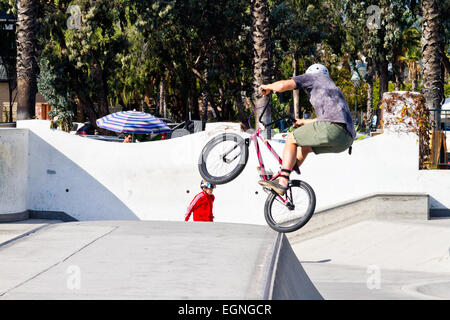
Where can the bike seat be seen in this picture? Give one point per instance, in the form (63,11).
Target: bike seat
(296,169)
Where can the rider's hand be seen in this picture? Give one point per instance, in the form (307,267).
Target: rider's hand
(299,123)
(264,90)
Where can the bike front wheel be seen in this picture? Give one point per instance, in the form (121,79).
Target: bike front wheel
(292,211)
(223,158)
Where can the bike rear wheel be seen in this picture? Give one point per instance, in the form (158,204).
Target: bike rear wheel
(292,211)
(223,158)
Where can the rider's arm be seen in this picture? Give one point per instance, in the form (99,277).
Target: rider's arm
(302,122)
(278,86)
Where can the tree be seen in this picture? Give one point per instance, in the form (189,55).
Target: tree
(201,47)
(262,56)
(432,55)
(295,36)
(56,94)
(375,29)
(89,61)
(411,55)
(445,12)
(27,68)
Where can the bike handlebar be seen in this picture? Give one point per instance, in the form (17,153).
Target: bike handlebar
(287,116)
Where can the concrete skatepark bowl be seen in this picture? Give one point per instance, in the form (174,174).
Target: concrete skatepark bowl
(122,247)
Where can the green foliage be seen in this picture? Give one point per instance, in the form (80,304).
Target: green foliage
(53,88)
(125,48)
(447,89)
(281,108)
(90,63)
(342,78)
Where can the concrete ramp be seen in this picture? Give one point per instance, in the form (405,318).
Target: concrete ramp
(290,280)
(378,206)
(152,260)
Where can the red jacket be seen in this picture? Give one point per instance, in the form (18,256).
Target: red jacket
(202,206)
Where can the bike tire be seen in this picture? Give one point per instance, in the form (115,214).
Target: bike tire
(299,222)
(234,141)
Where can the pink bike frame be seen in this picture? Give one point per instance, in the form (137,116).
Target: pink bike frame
(255,137)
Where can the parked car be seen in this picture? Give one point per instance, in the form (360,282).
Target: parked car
(170,123)
(76,126)
(105,138)
(85,129)
(88,131)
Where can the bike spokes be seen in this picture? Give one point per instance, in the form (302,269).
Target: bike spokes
(286,211)
(223,158)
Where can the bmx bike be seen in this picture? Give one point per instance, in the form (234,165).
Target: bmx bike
(225,156)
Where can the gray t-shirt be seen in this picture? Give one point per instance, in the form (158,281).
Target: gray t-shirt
(326,98)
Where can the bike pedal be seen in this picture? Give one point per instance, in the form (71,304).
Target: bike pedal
(267,190)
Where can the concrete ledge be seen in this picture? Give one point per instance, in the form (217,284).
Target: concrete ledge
(384,206)
(13,217)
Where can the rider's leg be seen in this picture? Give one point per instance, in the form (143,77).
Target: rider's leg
(292,153)
(289,157)
(302,153)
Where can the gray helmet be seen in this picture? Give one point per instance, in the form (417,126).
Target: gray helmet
(318,68)
(206,184)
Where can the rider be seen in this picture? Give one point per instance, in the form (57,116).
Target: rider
(331,132)
(202,204)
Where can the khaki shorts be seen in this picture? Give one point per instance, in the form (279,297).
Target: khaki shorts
(323,137)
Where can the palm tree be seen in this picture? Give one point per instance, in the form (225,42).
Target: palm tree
(411,58)
(432,54)
(262,57)
(411,55)
(27,67)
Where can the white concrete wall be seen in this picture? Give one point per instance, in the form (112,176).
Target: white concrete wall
(95,180)
(13,170)
(149,181)
(382,164)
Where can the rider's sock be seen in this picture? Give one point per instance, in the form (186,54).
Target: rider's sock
(285,174)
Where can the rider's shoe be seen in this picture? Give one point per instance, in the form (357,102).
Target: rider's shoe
(274,185)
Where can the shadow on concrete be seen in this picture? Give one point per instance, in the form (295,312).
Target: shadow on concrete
(441,212)
(58,188)
(318,261)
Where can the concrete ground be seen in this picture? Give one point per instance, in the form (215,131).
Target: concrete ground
(380,260)
(134,260)
(44,259)
(12,231)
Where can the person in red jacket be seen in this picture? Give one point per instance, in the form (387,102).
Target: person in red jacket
(202,204)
